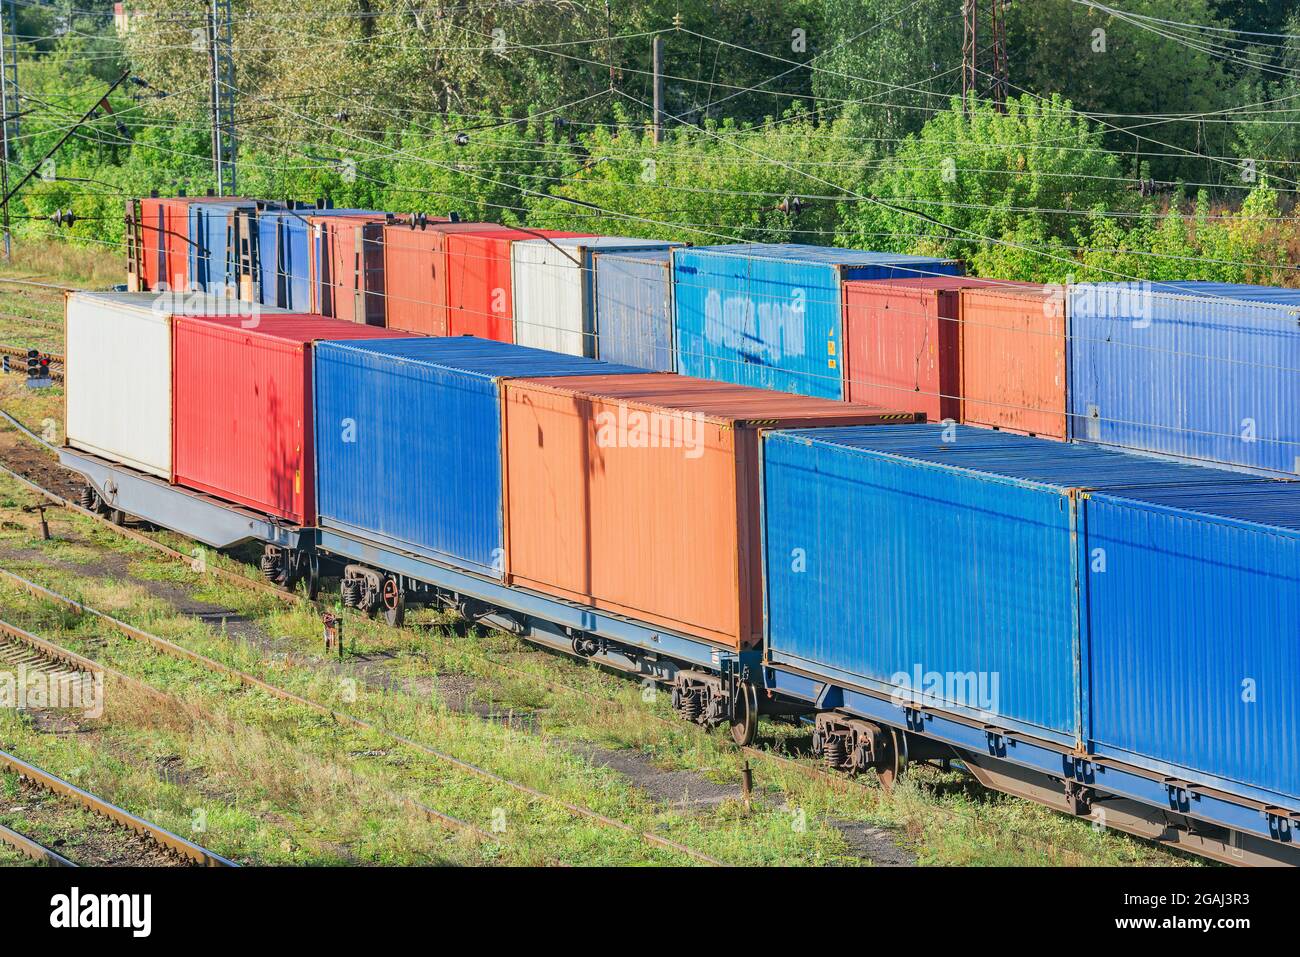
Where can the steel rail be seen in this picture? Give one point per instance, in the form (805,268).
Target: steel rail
(342,717)
(68,657)
(159,835)
(33,849)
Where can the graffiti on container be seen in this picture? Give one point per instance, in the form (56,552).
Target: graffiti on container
(769,331)
(625,428)
(976,690)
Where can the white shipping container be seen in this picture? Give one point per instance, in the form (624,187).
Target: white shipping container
(118,372)
(554,290)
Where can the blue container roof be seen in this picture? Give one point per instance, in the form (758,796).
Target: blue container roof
(303,213)
(817,255)
(1242,292)
(1023,458)
(1275,504)
(483,357)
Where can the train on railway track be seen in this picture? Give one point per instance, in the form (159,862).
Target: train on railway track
(1076,619)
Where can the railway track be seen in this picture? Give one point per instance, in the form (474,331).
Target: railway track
(808,768)
(18,645)
(174,846)
(174,650)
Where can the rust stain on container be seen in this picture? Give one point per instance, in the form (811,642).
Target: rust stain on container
(638,494)
(1013,359)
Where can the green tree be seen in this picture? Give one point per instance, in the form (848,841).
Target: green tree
(886,67)
(972,178)
(1131,75)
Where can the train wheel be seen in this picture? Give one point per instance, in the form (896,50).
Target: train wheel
(744,721)
(393,602)
(892,761)
(313,577)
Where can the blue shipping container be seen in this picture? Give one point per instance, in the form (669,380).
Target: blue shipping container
(1193,615)
(408,440)
(285,250)
(212,239)
(1208,371)
(895,560)
(634,319)
(771,314)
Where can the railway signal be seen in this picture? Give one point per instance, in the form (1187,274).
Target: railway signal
(38,370)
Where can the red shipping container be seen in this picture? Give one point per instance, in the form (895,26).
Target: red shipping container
(348,259)
(165,239)
(242,398)
(164,236)
(902,342)
(415,274)
(1013,359)
(480,296)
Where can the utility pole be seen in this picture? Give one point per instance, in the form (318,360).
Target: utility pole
(995,78)
(9,104)
(221,63)
(657,60)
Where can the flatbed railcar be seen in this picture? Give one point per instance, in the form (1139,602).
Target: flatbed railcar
(715,687)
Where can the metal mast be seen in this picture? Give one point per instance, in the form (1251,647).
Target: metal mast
(985,69)
(221,62)
(8,103)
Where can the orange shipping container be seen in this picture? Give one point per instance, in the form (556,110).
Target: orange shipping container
(638,494)
(1013,343)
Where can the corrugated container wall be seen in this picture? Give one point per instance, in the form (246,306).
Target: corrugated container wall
(977,542)
(349,278)
(1193,618)
(242,428)
(152,242)
(415,282)
(480,290)
(554,284)
(1208,371)
(637,494)
(408,441)
(634,308)
(770,315)
(902,343)
(212,247)
(1013,359)
(164,231)
(118,355)
(415,274)
(285,252)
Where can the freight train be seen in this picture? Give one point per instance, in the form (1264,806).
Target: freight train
(1108,633)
